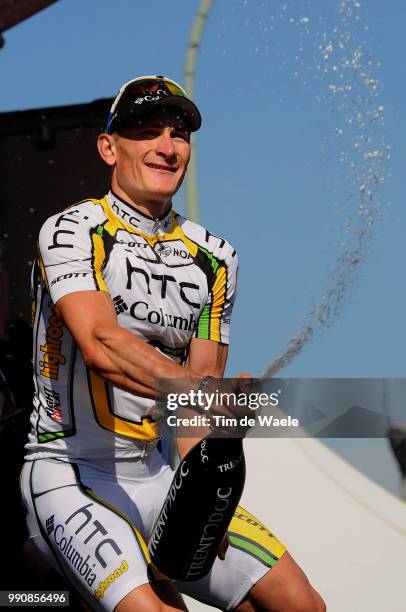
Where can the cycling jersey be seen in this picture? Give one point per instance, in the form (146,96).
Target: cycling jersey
(95,483)
(169,279)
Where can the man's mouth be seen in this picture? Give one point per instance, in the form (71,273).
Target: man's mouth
(162,167)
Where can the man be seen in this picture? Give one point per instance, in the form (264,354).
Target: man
(128,292)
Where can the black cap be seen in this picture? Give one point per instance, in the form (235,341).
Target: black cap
(141,95)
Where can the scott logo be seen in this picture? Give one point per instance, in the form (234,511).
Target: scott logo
(70,275)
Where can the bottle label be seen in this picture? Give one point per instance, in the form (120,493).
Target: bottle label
(225,467)
(210,533)
(203,451)
(159,528)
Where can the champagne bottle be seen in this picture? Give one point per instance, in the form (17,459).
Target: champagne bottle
(199,506)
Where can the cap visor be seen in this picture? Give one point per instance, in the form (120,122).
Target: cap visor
(188,112)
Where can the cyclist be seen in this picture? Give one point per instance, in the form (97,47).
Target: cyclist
(126,292)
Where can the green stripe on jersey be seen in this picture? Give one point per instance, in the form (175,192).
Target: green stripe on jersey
(214,262)
(253,549)
(168,350)
(48,437)
(203,328)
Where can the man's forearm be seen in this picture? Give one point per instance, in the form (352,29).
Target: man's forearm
(120,357)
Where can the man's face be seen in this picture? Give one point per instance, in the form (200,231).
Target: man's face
(151,157)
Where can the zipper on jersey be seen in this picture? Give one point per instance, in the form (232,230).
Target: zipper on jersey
(157,229)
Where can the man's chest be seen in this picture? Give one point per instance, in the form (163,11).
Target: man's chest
(157,289)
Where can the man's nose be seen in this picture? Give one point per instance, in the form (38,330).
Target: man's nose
(165,145)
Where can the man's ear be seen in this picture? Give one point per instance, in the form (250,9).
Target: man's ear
(107,148)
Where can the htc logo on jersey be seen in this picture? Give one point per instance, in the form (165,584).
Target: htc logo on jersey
(188,292)
(73,547)
(125,215)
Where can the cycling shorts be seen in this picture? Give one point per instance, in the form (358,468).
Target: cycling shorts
(92,521)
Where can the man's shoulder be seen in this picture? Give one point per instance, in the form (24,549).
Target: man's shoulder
(89,212)
(212,243)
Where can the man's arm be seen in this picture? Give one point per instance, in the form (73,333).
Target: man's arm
(116,354)
(123,359)
(207,357)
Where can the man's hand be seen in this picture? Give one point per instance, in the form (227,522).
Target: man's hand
(224,413)
(223,548)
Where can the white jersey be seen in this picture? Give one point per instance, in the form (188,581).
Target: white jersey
(169,279)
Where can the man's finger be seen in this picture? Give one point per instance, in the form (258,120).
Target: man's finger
(223,548)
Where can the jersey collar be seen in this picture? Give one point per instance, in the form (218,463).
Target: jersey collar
(137,219)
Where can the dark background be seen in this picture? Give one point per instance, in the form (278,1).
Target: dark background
(48,161)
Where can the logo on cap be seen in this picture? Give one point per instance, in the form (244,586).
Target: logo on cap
(159,94)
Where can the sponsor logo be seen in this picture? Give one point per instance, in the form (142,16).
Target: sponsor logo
(64,218)
(250,521)
(133,245)
(163,250)
(53,401)
(50,524)
(228,466)
(137,246)
(172,253)
(203,452)
(187,291)
(160,93)
(125,215)
(128,216)
(70,275)
(214,523)
(69,547)
(170,498)
(82,566)
(52,357)
(104,584)
(119,304)
(141,312)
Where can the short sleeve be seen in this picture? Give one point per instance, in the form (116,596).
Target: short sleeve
(71,252)
(215,318)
